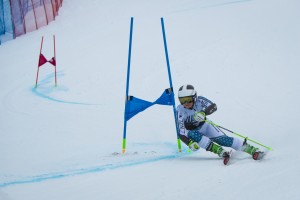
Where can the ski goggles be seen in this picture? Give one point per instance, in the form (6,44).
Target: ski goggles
(184,100)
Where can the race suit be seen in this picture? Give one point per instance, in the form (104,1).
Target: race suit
(202,132)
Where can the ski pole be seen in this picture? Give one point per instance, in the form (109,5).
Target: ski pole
(212,123)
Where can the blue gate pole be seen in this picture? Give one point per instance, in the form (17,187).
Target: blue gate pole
(127,86)
(170,80)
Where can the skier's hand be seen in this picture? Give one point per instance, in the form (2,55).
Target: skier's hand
(200,116)
(194,146)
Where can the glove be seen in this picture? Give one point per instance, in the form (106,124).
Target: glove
(194,146)
(200,116)
(190,123)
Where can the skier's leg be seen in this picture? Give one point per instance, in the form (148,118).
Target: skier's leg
(227,141)
(219,137)
(205,143)
(196,136)
(253,151)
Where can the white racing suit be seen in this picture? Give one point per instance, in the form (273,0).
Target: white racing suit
(203,133)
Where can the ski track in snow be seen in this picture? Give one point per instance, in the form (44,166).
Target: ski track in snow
(43,92)
(96,169)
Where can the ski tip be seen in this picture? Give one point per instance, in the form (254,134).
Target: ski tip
(227,159)
(258,155)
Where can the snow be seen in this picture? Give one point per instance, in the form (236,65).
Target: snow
(65,142)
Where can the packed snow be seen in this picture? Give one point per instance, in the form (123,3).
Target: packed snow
(65,142)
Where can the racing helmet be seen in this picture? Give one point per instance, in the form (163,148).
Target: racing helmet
(187,94)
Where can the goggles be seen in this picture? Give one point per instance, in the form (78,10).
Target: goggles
(184,100)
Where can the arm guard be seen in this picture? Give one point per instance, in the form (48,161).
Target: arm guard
(210,109)
(185,139)
(208,106)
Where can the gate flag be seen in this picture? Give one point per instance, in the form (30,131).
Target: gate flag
(135,105)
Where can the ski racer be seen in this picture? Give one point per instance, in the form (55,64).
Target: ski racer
(196,132)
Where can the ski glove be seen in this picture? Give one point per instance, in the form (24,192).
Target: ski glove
(194,146)
(200,116)
(190,123)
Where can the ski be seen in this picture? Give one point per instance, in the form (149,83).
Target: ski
(227,158)
(258,155)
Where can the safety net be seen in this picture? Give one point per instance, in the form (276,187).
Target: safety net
(17,17)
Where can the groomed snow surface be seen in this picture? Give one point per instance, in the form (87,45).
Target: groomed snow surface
(65,142)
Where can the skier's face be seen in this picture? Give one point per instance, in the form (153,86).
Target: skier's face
(188,105)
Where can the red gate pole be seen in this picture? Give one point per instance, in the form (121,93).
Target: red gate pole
(37,74)
(55,61)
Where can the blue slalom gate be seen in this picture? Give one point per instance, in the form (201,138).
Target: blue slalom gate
(134,105)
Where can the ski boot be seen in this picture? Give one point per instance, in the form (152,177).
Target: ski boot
(253,151)
(217,149)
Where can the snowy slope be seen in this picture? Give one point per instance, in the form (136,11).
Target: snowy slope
(64,142)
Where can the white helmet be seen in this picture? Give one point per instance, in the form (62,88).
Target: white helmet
(187,91)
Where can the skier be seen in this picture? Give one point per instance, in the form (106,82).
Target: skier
(196,132)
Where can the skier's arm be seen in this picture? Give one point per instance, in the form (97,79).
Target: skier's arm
(181,127)
(208,106)
(210,109)
(190,123)
(185,139)
(183,123)
(194,146)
